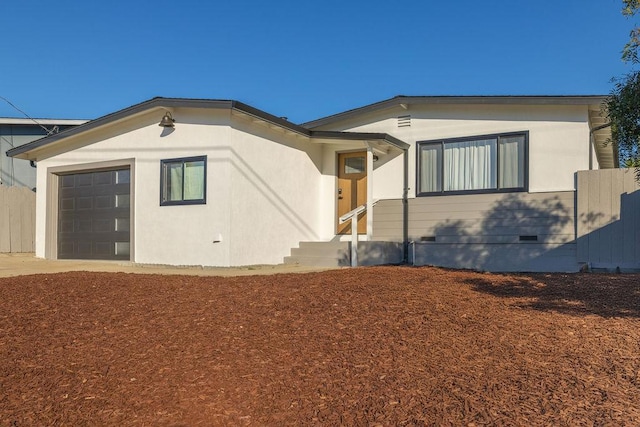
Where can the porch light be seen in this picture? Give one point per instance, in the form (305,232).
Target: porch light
(167,121)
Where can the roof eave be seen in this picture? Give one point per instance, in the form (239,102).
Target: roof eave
(29,151)
(405,101)
(361,136)
(23,151)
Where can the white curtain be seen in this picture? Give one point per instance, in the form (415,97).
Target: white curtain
(512,162)
(174,190)
(430,168)
(194,180)
(470,165)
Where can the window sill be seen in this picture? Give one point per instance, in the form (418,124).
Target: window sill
(470,192)
(184,203)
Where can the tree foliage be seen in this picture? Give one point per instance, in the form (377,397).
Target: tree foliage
(623,107)
(630,51)
(623,104)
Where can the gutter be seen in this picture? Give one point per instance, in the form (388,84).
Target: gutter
(405,209)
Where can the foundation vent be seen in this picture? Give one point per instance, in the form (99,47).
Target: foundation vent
(404,121)
(528,238)
(428,238)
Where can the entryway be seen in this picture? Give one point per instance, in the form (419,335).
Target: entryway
(352,189)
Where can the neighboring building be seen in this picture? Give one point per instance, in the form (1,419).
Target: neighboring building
(479,182)
(17,132)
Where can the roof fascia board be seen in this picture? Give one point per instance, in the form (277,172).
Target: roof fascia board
(128,112)
(406,101)
(160,103)
(270,118)
(360,136)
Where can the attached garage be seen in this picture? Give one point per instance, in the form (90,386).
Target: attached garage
(94,219)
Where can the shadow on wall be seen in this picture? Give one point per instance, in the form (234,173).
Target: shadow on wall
(372,253)
(576,294)
(539,235)
(517,233)
(611,242)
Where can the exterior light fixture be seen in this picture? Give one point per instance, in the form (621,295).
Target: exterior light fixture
(167,121)
(375,158)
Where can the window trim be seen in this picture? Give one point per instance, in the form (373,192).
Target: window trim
(497,136)
(183,202)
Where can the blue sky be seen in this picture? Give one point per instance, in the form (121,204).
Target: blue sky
(300,59)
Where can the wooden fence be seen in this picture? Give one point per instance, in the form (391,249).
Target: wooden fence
(608,219)
(17,219)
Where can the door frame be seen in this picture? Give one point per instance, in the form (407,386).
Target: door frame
(369,196)
(51,212)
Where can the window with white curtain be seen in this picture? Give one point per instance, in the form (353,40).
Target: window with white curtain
(489,163)
(183,181)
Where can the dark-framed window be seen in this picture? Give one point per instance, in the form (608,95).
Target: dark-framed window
(476,164)
(183,181)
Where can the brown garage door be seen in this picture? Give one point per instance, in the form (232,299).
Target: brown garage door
(94,215)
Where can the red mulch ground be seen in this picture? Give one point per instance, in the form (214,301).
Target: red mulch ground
(366,346)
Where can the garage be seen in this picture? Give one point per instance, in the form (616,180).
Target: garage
(94,215)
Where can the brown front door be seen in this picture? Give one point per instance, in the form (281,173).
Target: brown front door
(352,188)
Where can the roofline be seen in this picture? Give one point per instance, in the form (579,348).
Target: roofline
(360,136)
(23,121)
(453,99)
(160,102)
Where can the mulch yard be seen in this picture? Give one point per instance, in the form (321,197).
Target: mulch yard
(366,346)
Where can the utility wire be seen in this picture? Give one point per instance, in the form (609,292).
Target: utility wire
(49,131)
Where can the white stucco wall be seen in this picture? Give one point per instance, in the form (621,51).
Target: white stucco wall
(275,193)
(558,138)
(262,196)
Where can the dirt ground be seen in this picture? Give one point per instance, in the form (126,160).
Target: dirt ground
(365,346)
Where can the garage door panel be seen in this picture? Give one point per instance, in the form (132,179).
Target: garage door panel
(84,180)
(122,224)
(103,178)
(122,200)
(104,248)
(94,215)
(67,181)
(104,202)
(67,204)
(65,226)
(83,226)
(84,202)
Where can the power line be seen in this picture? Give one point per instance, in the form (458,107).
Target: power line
(49,131)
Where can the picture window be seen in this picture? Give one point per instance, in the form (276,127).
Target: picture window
(491,163)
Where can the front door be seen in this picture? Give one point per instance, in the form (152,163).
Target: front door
(352,188)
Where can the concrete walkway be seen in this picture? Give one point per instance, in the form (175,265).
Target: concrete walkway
(23,264)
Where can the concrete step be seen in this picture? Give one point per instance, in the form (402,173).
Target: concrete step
(322,251)
(314,245)
(320,254)
(312,261)
(338,254)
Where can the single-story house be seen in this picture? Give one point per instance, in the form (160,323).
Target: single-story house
(464,181)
